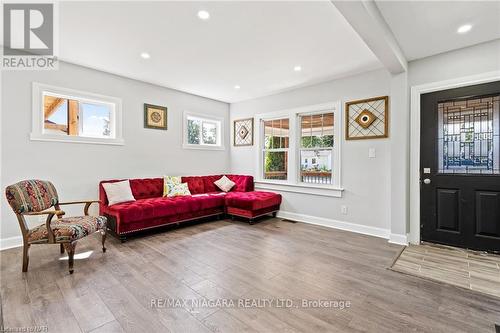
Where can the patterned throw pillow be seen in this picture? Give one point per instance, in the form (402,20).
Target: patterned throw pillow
(225,184)
(179,190)
(169,182)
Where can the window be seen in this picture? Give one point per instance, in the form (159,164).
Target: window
(469,136)
(202,133)
(316,148)
(299,150)
(276,142)
(62,114)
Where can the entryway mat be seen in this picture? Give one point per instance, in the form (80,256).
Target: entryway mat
(468,269)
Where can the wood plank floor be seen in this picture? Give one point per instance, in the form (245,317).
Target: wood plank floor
(274,259)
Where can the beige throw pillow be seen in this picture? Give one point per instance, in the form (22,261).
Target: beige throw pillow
(118,192)
(225,184)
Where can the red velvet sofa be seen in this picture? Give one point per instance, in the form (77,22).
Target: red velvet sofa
(151,209)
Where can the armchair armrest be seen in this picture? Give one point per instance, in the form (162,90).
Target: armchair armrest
(45,212)
(50,214)
(86,202)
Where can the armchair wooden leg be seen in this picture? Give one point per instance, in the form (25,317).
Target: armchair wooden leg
(26,257)
(70,249)
(103,238)
(62,248)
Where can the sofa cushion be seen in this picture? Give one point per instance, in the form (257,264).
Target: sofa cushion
(146,188)
(252,200)
(196,184)
(243,183)
(208,182)
(144,209)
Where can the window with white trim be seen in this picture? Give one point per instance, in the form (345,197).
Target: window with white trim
(300,148)
(202,132)
(67,115)
(275,150)
(316,148)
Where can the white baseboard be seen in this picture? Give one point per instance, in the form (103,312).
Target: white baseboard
(347,226)
(398,239)
(11,242)
(8,243)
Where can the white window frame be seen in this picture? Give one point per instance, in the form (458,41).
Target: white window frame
(332,149)
(39,90)
(202,117)
(277,150)
(293,184)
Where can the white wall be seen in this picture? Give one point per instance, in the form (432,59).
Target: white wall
(366,180)
(75,169)
(477,59)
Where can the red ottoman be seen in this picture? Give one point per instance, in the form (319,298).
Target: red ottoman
(252,204)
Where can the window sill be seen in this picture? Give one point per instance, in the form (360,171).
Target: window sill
(76,139)
(325,191)
(201,147)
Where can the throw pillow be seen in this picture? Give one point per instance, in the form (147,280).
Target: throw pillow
(168,183)
(225,184)
(118,192)
(179,190)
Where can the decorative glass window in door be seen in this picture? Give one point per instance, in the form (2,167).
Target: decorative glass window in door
(469,135)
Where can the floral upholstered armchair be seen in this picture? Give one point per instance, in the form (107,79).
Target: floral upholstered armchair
(35,197)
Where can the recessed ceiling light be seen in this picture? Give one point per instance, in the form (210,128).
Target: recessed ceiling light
(203,15)
(464,28)
(297,68)
(145,55)
(237,87)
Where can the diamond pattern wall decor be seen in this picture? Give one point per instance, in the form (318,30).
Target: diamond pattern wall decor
(243,132)
(367,118)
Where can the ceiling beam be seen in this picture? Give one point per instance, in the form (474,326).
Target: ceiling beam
(366,19)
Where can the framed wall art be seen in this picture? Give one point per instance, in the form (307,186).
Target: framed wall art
(367,118)
(243,132)
(155,116)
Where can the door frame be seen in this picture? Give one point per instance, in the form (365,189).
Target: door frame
(416,92)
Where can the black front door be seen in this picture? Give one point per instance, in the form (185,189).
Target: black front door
(460,167)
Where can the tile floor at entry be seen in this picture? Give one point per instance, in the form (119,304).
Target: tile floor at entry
(473,270)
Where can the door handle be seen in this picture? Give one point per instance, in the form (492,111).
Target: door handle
(427,181)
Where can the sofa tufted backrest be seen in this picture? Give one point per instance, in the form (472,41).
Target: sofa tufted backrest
(153,187)
(196,184)
(208,182)
(146,188)
(243,183)
(141,188)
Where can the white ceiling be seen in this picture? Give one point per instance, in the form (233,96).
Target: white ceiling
(251,44)
(425,28)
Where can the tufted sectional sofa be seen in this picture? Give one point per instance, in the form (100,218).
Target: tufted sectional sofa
(151,209)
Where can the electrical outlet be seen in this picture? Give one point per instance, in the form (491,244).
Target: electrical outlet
(343,208)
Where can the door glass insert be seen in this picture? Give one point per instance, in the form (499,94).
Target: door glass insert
(469,136)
